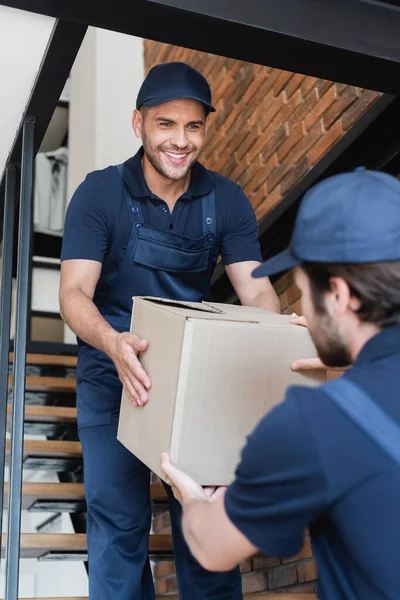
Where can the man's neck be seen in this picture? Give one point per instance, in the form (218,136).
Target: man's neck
(166,189)
(362,335)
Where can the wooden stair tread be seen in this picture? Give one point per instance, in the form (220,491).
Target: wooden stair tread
(50,448)
(48,359)
(34,545)
(35,491)
(48,384)
(48,414)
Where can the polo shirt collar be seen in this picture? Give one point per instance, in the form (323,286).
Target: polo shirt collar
(385,343)
(200,185)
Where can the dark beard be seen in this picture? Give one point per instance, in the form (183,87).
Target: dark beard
(157,165)
(330,346)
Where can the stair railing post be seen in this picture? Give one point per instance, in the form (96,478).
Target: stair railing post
(5,316)
(19,369)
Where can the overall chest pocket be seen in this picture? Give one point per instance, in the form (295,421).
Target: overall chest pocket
(194,258)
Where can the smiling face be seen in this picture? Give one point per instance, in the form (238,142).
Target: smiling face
(173,135)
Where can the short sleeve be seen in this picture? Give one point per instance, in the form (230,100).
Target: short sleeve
(239,240)
(280,485)
(87,223)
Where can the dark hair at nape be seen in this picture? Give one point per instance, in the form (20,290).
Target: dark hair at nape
(376,285)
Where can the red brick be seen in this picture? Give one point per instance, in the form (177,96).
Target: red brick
(325,143)
(261,563)
(295,174)
(160,586)
(304,108)
(271,200)
(306,572)
(358,108)
(294,83)
(163,569)
(284,282)
(323,86)
(281,82)
(287,109)
(172,584)
(295,308)
(282,576)
(340,105)
(245,566)
(283,301)
(254,582)
(293,293)
(259,197)
(262,174)
(271,111)
(321,107)
(278,140)
(292,138)
(308,84)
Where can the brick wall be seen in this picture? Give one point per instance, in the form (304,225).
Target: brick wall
(270,128)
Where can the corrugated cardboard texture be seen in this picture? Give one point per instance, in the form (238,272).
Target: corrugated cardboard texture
(214,376)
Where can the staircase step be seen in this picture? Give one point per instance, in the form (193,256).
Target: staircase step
(58,494)
(48,414)
(67,545)
(48,384)
(54,455)
(48,359)
(33,492)
(50,448)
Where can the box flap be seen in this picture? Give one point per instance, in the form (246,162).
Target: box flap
(202,306)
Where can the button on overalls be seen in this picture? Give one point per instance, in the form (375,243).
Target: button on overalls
(154,263)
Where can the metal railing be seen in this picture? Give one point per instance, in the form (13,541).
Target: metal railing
(19,366)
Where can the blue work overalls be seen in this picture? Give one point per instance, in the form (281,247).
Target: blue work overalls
(155,263)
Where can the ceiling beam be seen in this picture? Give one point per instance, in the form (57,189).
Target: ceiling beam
(349,41)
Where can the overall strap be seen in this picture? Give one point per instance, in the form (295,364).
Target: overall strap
(366,414)
(134,206)
(209,216)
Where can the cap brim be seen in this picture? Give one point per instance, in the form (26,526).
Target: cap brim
(163,99)
(281,262)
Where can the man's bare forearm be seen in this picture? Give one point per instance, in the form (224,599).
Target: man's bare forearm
(267,300)
(82,316)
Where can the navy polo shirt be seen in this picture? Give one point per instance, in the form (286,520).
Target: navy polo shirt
(98,214)
(307,465)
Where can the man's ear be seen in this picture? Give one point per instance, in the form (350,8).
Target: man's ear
(339,299)
(137,123)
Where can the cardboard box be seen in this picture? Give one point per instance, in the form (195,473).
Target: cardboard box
(216,369)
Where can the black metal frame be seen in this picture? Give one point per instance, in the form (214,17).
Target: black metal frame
(333,44)
(17,430)
(5,321)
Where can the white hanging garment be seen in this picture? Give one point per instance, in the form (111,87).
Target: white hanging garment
(50,191)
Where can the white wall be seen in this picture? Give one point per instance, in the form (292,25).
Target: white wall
(24,38)
(105,81)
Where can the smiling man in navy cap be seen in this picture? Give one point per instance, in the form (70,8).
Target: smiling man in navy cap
(153,226)
(326,459)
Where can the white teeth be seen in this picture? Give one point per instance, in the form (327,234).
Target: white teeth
(175,155)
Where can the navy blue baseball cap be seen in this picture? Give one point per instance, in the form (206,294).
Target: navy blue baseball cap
(348,218)
(173,81)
